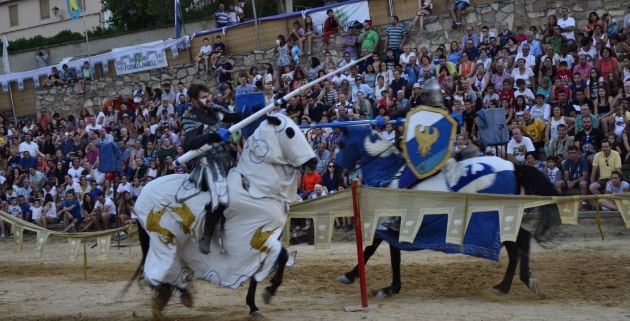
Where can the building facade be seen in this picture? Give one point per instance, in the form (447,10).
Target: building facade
(28,18)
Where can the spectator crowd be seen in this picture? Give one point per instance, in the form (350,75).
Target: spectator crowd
(563,90)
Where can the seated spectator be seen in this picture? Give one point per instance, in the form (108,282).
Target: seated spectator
(553,172)
(69,75)
(54,79)
(605,163)
(331,27)
(575,172)
(218,49)
(318,192)
(532,160)
(585,112)
(425,8)
(518,146)
(205,51)
(309,179)
(457,11)
(86,75)
(71,211)
(616,185)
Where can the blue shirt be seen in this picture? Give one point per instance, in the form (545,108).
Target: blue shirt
(27,163)
(575,169)
(76,211)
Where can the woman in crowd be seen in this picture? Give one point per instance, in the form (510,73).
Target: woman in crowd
(331,27)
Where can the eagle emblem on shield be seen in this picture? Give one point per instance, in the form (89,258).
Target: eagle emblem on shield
(428,139)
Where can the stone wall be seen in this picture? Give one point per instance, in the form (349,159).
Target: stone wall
(438,31)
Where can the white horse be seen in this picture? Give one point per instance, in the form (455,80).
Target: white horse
(260,188)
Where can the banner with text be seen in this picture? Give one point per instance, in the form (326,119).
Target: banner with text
(139,59)
(347,15)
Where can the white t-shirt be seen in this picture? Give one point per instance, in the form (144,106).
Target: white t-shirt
(75,173)
(32,148)
(90,127)
(516,74)
(205,50)
(518,150)
(568,22)
(36,212)
(108,201)
(123,188)
(52,212)
(611,189)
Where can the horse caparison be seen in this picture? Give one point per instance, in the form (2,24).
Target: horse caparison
(248,246)
(528,180)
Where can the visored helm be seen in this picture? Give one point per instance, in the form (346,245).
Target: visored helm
(432,94)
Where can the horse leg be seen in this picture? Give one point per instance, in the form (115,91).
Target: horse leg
(523,242)
(163,293)
(513,256)
(394,288)
(349,277)
(250,299)
(277,278)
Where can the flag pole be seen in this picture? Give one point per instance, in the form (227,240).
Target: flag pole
(87,39)
(12,104)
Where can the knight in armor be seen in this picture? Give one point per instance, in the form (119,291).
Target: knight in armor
(201,125)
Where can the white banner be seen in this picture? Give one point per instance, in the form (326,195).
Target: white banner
(347,15)
(139,59)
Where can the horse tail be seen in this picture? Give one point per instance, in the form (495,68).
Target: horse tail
(144,245)
(535,182)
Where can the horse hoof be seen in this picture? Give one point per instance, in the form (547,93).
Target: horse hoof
(382,294)
(344,280)
(266,296)
(256,315)
(534,286)
(186,298)
(498,291)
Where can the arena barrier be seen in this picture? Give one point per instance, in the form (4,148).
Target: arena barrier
(370,204)
(103,238)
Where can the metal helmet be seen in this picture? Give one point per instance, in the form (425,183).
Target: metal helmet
(432,94)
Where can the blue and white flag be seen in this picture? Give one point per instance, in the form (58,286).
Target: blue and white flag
(179,22)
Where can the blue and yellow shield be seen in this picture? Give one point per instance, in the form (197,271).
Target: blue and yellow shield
(428,139)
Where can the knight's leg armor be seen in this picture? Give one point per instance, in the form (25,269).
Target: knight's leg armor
(209,227)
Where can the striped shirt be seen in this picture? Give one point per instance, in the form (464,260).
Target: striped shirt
(395,35)
(223,18)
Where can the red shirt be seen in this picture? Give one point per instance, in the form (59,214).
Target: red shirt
(607,66)
(564,74)
(309,181)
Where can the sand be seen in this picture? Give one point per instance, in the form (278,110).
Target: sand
(583,278)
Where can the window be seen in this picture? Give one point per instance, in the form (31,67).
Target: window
(44,9)
(13,15)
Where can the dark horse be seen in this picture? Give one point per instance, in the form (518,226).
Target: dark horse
(171,211)
(382,165)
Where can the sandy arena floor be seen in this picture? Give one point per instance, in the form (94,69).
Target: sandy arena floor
(583,277)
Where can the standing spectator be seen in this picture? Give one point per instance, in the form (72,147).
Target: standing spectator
(331,27)
(518,146)
(283,52)
(396,36)
(222,16)
(41,57)
(457,11)
(566,23)
(615,185)
(369,38)
(425,8)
